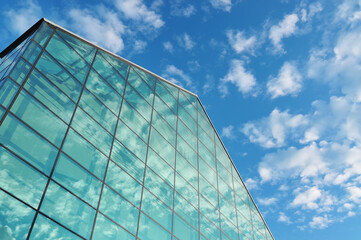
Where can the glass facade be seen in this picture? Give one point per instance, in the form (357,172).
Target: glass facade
(93,147)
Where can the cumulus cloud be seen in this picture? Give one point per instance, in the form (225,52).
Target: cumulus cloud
(288,82)
(228,132)
(239,42)
(267,201)
(22,18)
(284,218)
(224,5)
(239,76)
(283,29)
(320,222)
(308,198)
(177,76)
(186,41)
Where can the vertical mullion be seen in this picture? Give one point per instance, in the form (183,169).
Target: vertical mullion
(175,163)
(199,195)
(62,144)
(110,151)
(219,202)
(146,157)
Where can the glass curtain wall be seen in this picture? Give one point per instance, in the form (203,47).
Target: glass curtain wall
(94,148)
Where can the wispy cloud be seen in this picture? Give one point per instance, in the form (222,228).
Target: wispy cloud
(228,132)
(168,46)
(177,76)
(180,9)
(186,41)
(224,5)
(240,43)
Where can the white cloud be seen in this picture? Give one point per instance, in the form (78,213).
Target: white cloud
(313,9)
(240,43)
(284,218)
(186,42)
(283,29)
(251,184)
(180,10)
(177,76)
(320,222)
(224,5)
(288,82)
(138,11)
(168,46)
(354,193)
(22,18)
(267,201)
(139,46)
(228,132)
(308,198)
(239,76)
(274,130)
(102,27)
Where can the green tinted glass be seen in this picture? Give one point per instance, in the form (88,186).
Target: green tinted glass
(32,52)
(148,229)
(8,89)
(20,71)
(105,229)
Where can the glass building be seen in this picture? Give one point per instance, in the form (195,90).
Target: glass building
(93,146)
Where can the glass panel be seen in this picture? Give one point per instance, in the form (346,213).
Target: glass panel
(16,218)
(109,73)
(187,171)
(158,165)
(20,71)
(157,210)
(165,112)
(158,187)
(77,180)
(147,77)
(187,152)
(58,76)
(131,141)
(206,155)
(2,111)
(225,190)
(83,49)
(183,230)
(208,191)
(85,154)
(205,125)
(128,161)
(92,131)
(186,190)
(190,108)
(240,189)
(104,92)
(119,65)
(44,228)
(227,209)
(166,96)
(27,144)
(49,95)
(186,210)
(209,210)
(68,58)
(32,52)
(245,226)
(20,179)
(206,140)
(223,158)
(162,147)
(138,83)
(98,111)
(163,127)
(39,118)
(226,176)
(124,184)
(243,208)
(149,230)
(68,210)
(208,173)
(43,33)
(135,121)
(208,229)
(172,89)
(107,230)
(187,134)
(229,228)
(119,210)
(138,102)
(8,89)
(188,120)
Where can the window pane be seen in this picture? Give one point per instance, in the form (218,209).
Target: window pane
(16,218)
(187,134)
(68,210)
(92,131)
(68,58)
(229,228)
(183,230)
(187,152)
(44,228)
(172,89)
(162,147)
(107,230)
(158,165)
(83,49)
(209,211)
(149,230)
(32,52)
(186,118)
(20,71)
(208,173)
(138,83)
(39,118)
(85,154)
(109,73)
(158,187)
(227,209)
(164,128)
(208,191)
(187,171)
(166,96)
(225,190)
(122,67)
(119,210)
(138,102)
(98,111)
(27,144)
(43,33)
(147,77)
(157,210)
(208,229)
(77,180)
(49,95)
(135,121)
(165,112)
(128,161)
(104,92)
(8,89)
(186,190)
(20,179)
(206,155)
(124,184)
(186,210)
(58,76)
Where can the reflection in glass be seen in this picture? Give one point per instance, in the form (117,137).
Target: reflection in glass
(107,230)
(158,187)
(8,89)
(183,230)
(138,83)
(32,52)
(162,147)
(158,165)
(150,230)
(20,71)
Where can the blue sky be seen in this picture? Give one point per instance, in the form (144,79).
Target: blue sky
(280,80)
